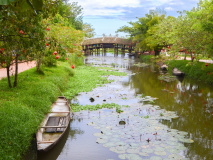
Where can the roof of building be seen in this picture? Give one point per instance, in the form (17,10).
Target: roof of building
(104,40)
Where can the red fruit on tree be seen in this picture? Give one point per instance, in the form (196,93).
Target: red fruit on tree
(21,32)
(2,49)
(57,57)
(207,64)
(48,28)
(139,53)
(66,58)
(55,53)
(47,44)
(73,67)
(193,57)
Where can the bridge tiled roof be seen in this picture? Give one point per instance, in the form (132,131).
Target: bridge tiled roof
(104,40)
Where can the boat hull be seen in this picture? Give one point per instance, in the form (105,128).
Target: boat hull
(54,125)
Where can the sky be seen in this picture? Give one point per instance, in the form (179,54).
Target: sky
(107,16)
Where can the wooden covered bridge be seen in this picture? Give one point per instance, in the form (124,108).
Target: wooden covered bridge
(92,45)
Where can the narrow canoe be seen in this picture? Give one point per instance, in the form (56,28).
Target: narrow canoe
(54,125)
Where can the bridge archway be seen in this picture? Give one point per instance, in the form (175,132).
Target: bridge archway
(92,45)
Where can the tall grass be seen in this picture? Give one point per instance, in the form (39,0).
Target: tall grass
(195,70)
(22,109)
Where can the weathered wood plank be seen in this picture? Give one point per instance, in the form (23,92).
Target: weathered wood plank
(53,126)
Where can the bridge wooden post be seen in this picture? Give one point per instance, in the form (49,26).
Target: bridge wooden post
(102,49)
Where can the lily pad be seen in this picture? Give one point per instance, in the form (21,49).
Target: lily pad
(160,153)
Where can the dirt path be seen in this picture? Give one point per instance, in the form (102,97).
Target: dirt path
(21,67)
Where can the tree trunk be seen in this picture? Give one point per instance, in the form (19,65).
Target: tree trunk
(185,56)
(38,65)
(191,57)
(8,76)
(16,72)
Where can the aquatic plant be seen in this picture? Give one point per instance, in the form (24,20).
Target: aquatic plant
(77,107)
(86,78)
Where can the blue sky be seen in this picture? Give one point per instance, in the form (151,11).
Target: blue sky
(106,16)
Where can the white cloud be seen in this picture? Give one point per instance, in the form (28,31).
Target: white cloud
(104,12)
(169,9)
(107,7)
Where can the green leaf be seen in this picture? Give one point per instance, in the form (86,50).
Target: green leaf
(37,4)
(6,2)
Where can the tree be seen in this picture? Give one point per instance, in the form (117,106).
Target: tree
(21,22)
(142,30)
(73,13)
(88,30)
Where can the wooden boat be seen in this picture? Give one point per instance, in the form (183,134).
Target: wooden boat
(54,125)
(177,72)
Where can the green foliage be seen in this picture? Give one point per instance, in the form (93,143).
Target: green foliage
(88,30)
(49,59)
(190,32)
(195,70)
(73,13)
(75,59)
(146,58)
(86,78)
(23,108)
(77,108)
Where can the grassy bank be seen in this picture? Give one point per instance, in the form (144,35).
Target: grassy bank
(196,70)
(23,108)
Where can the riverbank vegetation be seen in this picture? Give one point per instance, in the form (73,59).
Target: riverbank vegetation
(39,31)
(87,77)
(50,33)
(199,71)
(189,35)
(23,108)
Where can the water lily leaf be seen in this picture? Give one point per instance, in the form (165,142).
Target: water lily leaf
(160,153)
(175,156)
(143,154)
(116,150)
(132,150)
(173,150)
(147,150)
(98,134)
(99,140)
(133,157)
(122,156)
(155,158)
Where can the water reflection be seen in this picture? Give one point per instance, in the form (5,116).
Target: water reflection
(192,101)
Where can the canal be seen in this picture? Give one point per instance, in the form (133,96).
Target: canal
(162,120)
